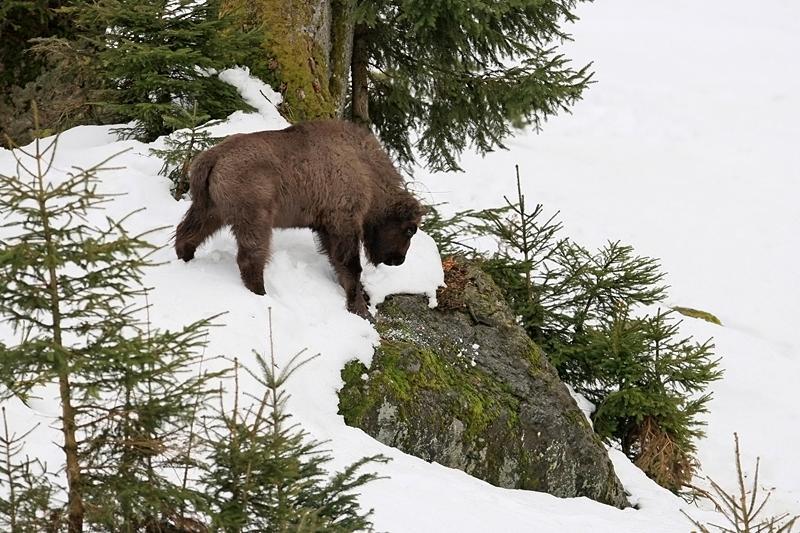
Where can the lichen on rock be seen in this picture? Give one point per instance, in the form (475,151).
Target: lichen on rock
(467,388)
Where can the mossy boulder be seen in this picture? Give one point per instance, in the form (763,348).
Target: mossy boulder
(467,388)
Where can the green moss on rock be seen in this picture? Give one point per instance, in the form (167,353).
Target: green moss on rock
(467,388)
(403,374)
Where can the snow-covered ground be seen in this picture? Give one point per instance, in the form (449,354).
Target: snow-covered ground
(687,148)
(682,149)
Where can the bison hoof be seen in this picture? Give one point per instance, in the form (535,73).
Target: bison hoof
(256,288)
(360,308)
(364,294)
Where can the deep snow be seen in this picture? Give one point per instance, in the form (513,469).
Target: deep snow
(686,148)
(682,149)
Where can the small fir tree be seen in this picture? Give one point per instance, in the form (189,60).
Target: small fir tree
(26,493)
(158,59)
(265,474)
(743,508)
(142,431)
(523,264)
(71,289)
(649,387)
(590,289)
(191,137)
(647,383)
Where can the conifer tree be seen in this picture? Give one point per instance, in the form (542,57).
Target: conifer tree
(266,474)
(20,22)
(26,492)
(591,287)
(432,77)
(141,431)
(190,137)
(159,59)
(72,291)
(648,384)
(460,73)
(30,72)
(744,507)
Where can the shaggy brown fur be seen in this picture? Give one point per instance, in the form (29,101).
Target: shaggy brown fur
(330,176)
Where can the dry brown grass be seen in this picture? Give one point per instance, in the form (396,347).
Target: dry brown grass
(451,296)
(661,458)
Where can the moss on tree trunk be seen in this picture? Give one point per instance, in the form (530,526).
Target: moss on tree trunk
(296,45)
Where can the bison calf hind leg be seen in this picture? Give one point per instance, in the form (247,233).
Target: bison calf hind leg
(196,227)
(253,242)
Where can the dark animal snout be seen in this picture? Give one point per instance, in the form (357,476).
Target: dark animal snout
(396,260)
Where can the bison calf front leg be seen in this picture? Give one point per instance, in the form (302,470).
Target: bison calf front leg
(351,281)
(343,252)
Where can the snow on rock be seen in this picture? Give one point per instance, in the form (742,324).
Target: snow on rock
(586,407)
(421,273)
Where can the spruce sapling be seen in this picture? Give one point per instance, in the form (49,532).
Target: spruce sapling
(190,137)
(26,493)
(742,508)
(266,474)
(647,383)
(72,294)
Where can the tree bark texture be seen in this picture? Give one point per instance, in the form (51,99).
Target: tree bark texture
(307,46)
(341,53)
(360,84)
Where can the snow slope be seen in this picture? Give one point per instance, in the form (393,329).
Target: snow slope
(308,310)
(681,149)
(686,148)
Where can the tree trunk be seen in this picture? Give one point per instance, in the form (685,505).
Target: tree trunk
(307,48)
(68,426)
(360,95)
(73,470)
(306,45)
(341,53)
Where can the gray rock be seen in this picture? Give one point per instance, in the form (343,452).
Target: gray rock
(467,388)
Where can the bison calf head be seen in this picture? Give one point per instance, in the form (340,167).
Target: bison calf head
(387,239)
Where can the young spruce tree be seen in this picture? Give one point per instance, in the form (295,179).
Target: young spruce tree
(266,474)
(190,137)
(648,383)
(158,59)
(26,491)
(72,291)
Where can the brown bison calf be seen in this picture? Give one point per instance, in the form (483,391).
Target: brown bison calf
(330,176)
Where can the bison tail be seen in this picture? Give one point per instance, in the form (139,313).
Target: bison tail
(198,178)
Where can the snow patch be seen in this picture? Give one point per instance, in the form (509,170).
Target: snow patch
(421,273)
